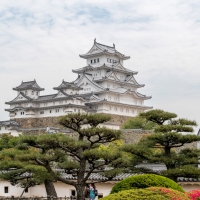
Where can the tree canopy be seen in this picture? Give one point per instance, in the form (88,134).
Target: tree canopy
(19,169)
(164,145)
(139,122)
(79,156)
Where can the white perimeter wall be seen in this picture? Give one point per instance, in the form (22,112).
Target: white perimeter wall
(61,189)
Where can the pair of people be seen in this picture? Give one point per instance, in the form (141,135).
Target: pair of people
(90,191)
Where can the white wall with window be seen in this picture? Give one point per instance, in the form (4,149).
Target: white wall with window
(6,189)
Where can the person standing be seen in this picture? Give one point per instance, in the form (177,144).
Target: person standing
(92,193)
(87,192)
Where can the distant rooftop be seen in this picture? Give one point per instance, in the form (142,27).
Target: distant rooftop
(28,85)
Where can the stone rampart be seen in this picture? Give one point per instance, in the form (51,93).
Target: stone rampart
(53,121)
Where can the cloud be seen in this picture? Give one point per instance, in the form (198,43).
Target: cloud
(43,40)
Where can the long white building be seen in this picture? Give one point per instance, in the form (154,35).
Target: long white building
(104,85)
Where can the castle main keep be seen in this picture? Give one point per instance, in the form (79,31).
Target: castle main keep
(104,85)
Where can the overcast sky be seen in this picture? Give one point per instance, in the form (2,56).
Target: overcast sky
(42,40)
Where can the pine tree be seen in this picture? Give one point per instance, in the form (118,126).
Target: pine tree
(80,155)
(19,170)
(165,145)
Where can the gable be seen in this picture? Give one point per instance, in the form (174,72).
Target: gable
(36,85)
(132,80)
(94,49)
(113,76)
(20,97)
(60,95)
(88,85)
(119,66)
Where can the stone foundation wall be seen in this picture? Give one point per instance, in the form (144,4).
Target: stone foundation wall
(132,136)
(38,122)
(53,121)
(129,135)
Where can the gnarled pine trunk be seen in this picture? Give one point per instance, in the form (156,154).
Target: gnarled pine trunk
(50,189)
(80,191)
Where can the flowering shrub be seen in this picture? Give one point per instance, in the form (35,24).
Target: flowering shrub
(194,194)
(172,194)
(137,194)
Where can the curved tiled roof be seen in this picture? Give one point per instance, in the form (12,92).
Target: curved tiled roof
(9,123)
(65,85)
(105,50)
(28,85)
(105,65)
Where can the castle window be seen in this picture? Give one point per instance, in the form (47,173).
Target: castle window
(115,108)
(91,61)
(41,112)
(6,189)
(97,59)
(121,109)
(50,111)
(73,192)
(26,92)
(32,92)
(57,110)
(94,60)
(26,190)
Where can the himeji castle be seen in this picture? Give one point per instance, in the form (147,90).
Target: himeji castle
(104,85)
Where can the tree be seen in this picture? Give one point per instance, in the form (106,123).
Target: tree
(139,122)
(19,170)
(170,134)
(79,155)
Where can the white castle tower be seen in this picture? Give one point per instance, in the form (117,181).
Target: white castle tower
(104,85)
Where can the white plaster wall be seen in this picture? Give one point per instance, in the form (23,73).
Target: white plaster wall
(102,60)
(29,93)
(97,64)
(61,189)
(7,130)
(111,85)
(65,190)
(117,110)
(110,126)
(62,111)
(190,186)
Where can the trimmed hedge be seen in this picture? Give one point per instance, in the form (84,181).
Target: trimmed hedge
(145,181)
(137,194)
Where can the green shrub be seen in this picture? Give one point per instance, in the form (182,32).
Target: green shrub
(137,194)
(144,181)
